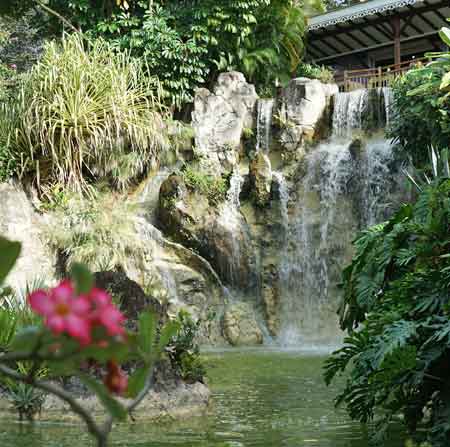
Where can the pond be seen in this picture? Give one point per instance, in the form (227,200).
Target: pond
(262,398)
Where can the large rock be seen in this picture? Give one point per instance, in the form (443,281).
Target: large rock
(180,279)
(261,178)
(20,222)
(240,326)
(218,233)
(219,119)
(304,115)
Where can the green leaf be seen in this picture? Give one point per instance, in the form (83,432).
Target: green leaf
(445,81)
(9,253)
(114,407)
(82,277)
(444,33)
(137,380)
(147,332)
(26,339)
(168,331)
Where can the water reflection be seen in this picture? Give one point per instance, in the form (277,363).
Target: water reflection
(260,399)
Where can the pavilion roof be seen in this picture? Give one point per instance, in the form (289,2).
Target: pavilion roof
(366,26)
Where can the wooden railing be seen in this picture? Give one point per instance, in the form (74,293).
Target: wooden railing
(349,80)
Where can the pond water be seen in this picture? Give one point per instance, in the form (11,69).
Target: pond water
(261,398)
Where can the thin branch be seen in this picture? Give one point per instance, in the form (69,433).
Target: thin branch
(51,388)
(140,397)
(57,15)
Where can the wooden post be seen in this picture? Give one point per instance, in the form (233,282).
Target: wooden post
(395,23)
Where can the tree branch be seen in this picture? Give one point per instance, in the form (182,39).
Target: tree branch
(51,388)
(57,15)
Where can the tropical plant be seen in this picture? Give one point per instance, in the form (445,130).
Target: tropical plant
(85,112)
(396,313)
(183,349)
(421,111)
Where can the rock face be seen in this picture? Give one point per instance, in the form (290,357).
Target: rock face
(20,222)
(219,119)
(240,326)
(217,233)
(261,178)
(304,111)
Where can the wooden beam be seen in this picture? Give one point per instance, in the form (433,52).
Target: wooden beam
(374,47)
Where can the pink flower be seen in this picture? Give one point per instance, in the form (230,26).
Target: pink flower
(105,314)
(63,311)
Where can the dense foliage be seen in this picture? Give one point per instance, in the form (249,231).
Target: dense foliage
(397,315)
(186,43)
(421,115)
(84,112)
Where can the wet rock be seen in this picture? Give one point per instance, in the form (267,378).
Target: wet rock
(218,233)
(305,111)
(20,222)
(240,326)
(261,178)
(219,119)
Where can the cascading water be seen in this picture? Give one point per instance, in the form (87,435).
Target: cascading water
(230,219)
(264,124)
(344,189)
(349,109)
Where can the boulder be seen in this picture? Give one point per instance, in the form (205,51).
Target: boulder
(305,107)
(261,178)
(217,233)
(240,326)
(19,221)
(219,119)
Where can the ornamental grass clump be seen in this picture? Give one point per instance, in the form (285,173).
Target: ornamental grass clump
(86,112)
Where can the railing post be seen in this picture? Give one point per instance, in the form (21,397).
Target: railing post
(345,81)
(380,77)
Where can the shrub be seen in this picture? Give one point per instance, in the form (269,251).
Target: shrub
(312,71)
(98,231)
(86,112)
(421,108)
(184,351)
(214,188)
(396,313)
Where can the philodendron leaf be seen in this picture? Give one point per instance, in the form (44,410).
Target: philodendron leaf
(137,380)
(9,253)
(147,333)
(82,277)
(114,407)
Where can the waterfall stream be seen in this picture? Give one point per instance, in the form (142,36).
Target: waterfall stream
(346,187)
(264,124)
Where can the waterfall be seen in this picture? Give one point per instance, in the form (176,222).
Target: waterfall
(388,103)
(284,197)
(346,187)
(230,220)
(264,124)
(349,109)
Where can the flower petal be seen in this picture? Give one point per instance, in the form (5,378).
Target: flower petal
(80,306)
(41,302)
(78,328)
(55,323)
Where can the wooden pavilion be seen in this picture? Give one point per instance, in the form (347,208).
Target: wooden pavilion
(373,38)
